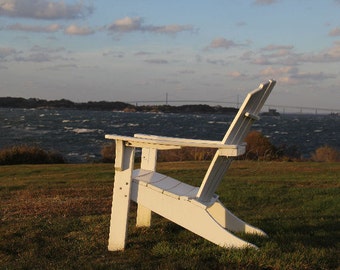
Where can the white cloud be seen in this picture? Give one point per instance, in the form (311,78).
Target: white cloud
(222,43)
(236,74)
(142,53)
(6,51)
(126,24)
(115,54)
(278,72)
(292,75)
(329,55)
(272,54)
(169,29)
(334,32)
(78,30)
(60,67)
(44,9)
(316,76)
(129,24)
(285,55)
(274,47)
(217,62)
(262,60)
(40,49)
(34,28)
(40,54)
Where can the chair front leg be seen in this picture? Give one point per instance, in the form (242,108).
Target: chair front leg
(124,164)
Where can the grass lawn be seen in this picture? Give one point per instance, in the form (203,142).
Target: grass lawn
(57,217)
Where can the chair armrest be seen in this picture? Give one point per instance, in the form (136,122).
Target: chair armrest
(184,141)
(165,143)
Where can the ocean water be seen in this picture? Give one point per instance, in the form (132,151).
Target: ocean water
(79,135)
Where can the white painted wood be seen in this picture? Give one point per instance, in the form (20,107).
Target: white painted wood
(148,162)
(195,208)
(229,221)
(149,159)
(143,216)
(121,197)
(166,143)
(165,184)
(235,135)
(186,214)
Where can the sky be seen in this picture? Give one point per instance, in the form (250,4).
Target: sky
(147,50)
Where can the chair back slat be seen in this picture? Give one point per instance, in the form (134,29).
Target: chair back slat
(235,135)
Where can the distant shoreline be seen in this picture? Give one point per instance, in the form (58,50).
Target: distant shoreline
(119,106)
(34,103)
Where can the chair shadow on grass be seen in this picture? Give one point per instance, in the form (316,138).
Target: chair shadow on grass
(292,231)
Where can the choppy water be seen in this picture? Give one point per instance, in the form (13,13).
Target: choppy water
(79,135)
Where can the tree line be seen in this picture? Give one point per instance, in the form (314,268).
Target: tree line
(35,103)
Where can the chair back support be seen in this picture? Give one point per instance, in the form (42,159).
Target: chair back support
(235,135)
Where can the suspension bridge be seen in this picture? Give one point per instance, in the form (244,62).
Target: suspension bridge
(279,108)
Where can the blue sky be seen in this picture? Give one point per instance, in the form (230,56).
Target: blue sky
(135,50)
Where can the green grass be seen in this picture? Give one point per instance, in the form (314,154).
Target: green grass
(57,217)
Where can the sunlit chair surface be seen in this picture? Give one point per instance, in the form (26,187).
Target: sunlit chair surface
(197,209)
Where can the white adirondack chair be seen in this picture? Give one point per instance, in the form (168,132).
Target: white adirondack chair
(197,209)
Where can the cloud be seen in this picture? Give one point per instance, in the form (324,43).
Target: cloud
(157,61)
(292,75)
(264,2)
(272,55)
(285,55)
(50,50)
(278,72)
(335,32)
(36,54)
(35,57)
(222,43)
(6,51)
(44,9)
(115,54)
(129,24)
(78,30)
(60,67)
(142,53)
(318,76)
(40,54)
(262,60)
(169,29)
(34,28)
(236,74)
(329,55)
(334,51)
(217,62)
(126,24)
(274,51)
(274,47)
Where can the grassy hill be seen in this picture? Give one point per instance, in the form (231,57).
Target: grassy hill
(57,217)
